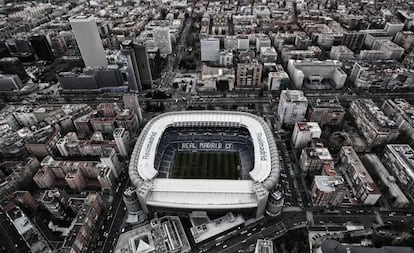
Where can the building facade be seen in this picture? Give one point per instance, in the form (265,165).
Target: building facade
(360,181)
(376,128)
(89,41)
(292,106)
(399,160)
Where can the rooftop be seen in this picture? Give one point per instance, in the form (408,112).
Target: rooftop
(328,183)
(374,113)
(294,95)
(405,155)
(332,246)
(308,126)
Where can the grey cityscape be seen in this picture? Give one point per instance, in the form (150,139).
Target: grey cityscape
(218,126)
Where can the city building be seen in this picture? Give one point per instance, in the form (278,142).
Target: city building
(262,40)
(313,74)
(131,102)
(328,190)
(55,201)
(78,175)
(304,132)
(268,54)
(131,63)
(399,160)
(277,80)
(405,39)
(122,141)
(10,83)
(89,41)
(144,66)
(332,246)
(402,113)
(84,225)
(372,55)
(376,128)
(13,66)
(386,75)
(28,231)
(311,53)
(390,49)
(360,181)
(263,246)
(292,107)
(341,53)
(314,160)
(92,79)
(216,78)
(249,74)
(17,175)
(210,49)
(226,58)
(164,234)
(42,142)
(41,47)
(162,39)
(156,61)
(70,145)
(388,183)
(110,159)
(326,111)
(204,228)
(24,200)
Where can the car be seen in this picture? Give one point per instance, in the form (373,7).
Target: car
(249,234)
(224,246)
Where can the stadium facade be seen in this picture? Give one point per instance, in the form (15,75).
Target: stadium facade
(205,131)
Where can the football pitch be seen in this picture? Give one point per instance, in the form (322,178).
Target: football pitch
(206,165)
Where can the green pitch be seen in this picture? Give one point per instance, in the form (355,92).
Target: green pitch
(206,165)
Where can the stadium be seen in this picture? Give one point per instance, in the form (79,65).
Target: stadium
(215,161)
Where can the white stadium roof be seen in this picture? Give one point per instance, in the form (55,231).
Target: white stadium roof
(201,193)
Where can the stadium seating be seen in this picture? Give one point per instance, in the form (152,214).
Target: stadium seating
(174,136)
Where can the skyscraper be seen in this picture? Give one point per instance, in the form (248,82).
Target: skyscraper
(292,106)
(210,49)
(12,65)
(89,41)
(162,39)
(42,47)
(133,75)
(121,137)
(143,65)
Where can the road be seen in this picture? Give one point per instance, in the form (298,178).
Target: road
(245,236)
(10,241)
(117,213)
